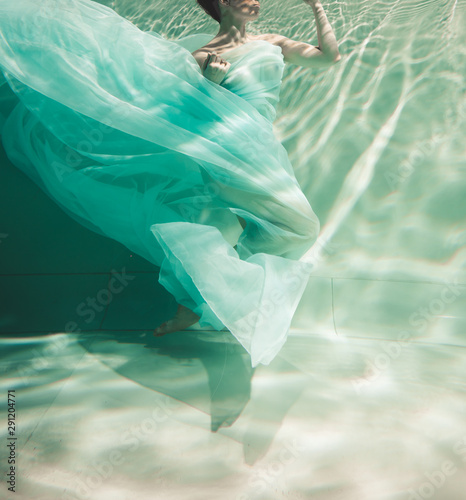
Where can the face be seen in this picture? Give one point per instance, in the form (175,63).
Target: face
(245,9)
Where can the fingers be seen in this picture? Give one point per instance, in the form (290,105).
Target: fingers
(207,61)
(214,60)
(215,68)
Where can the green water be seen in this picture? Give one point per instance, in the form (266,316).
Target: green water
(366,400)
(377,141)
(377,144)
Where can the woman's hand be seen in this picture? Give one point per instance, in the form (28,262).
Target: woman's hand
(215,68)
(311,2)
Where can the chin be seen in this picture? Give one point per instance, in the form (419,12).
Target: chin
(250,15)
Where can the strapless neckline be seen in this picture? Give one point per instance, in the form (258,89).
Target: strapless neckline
(238,47)
(255,73)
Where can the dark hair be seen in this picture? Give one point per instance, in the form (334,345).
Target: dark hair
(212,8)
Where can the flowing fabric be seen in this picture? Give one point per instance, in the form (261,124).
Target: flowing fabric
(123,131)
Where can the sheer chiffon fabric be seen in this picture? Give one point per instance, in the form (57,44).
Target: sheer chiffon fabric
(123,131)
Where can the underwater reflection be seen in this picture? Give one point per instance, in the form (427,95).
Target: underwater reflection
(210,371)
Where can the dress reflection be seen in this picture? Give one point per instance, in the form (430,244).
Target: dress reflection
(209,372)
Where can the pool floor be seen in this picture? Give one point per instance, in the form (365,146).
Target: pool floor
(114,415)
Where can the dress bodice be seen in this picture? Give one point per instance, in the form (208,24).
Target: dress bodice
(255,74)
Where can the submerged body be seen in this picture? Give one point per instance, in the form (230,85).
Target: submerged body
(163,160)
(233,15)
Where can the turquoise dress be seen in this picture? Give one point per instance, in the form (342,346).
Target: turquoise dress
(121,129)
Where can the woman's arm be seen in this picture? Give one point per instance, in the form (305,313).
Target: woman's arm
(306,55)
(213,67)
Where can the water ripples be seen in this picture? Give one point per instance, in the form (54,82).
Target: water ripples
(375,140)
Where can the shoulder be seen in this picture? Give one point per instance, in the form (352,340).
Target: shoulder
(200,55)
(272,38)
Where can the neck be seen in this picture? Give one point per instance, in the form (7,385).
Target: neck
(232,30)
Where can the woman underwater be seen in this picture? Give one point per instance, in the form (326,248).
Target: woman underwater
(170,151)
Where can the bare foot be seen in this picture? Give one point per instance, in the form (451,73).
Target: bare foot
(183,318)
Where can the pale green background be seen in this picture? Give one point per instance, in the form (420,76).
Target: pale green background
(365,401)
(377,143)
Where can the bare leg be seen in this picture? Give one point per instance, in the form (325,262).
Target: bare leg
(183,318)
